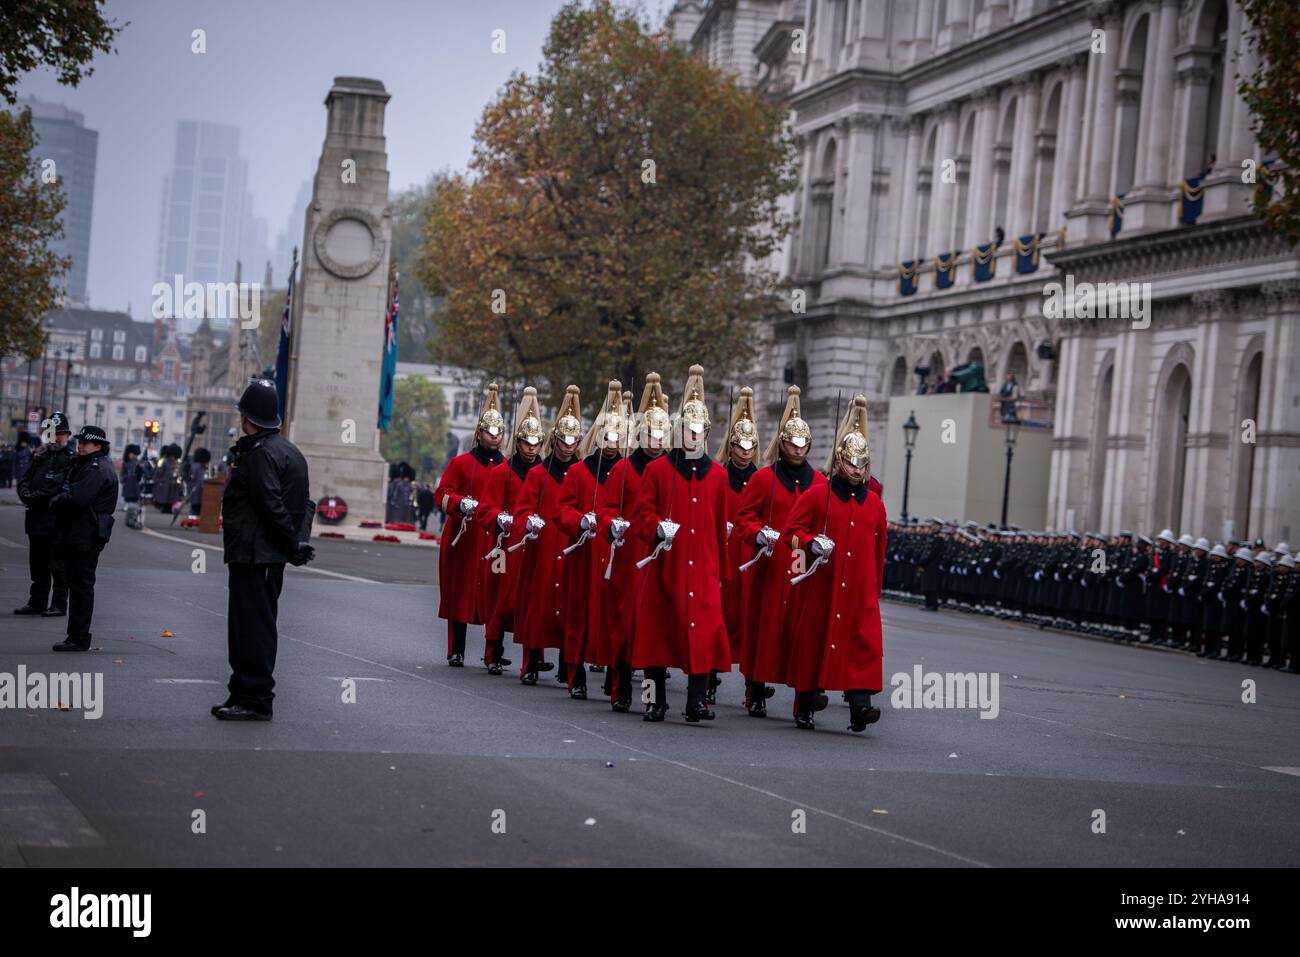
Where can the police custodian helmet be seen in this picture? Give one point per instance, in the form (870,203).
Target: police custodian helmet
(260,404)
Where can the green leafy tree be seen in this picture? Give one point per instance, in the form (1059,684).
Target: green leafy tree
(63,35)
(620,202)
(417,433)
(29,223)
(1273,94)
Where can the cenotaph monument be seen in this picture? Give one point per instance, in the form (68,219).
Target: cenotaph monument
(337,336)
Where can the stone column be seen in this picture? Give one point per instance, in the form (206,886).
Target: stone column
(1229,98)
(1275,514)
(1068,145)
(978,227)
(1149,205)
(1192,86)
(908,183)
(956,25)
(944,195)
(807,229)
(338,311)
(837,185)
(1225,194)
(1088,219)
(1024,160)
(861,156)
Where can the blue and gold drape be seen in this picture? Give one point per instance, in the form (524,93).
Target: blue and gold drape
(984,262)
(945,269)
(1193,196)
(1027,252)
(908,272)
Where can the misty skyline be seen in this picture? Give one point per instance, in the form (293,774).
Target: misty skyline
(266,70)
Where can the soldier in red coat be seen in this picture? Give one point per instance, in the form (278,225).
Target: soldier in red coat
(833,615)
(539,597)
(764,510)
(737,453)
(495,514)
(616,589)
(576,517)
(462,573)
(680,524)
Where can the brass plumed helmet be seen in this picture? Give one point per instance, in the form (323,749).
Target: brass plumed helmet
(694,414)
(852,441)
(653,420)
(490,419)
(743,430)
(609,419)
(568,426)
(528,422)
(793,428)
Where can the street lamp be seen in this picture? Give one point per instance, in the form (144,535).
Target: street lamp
(1011,423)
(910,428)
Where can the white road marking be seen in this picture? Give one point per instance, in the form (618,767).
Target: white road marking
(292,568)
(5,541)
(1291,771)
(354,678)
(185,681)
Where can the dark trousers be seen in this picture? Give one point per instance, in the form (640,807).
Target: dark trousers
(251,638)
(79,566)
(47,570)
(456,637)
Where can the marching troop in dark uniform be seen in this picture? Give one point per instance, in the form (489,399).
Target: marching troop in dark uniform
(627,547)
(1232,605)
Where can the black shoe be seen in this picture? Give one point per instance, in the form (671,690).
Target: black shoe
(578,692)
(494,668)
(804,719)
(561,677)
(656,712)
(504,662)
(29,610)
(697,714)
(820,701)
(859,718)
(528,678)
(596,669)
(544,666)
(54,612)
(621,705)
(70,645)
(225,704)
(758,709)
(237,712)
(455,661)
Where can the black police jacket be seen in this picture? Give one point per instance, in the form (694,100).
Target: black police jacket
(265,499)
(45,475)
(84,508)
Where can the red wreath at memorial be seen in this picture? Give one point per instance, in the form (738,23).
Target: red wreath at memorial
(332,510)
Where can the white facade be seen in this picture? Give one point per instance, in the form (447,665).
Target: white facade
(928,126)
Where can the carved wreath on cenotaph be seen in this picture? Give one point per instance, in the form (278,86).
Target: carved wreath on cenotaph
(330,223)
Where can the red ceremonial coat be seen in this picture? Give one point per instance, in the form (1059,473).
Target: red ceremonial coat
(615,597)
(768,500)
(678,618)
(733,591)
(579,495)
(462,573)
(504,490)
(539,598)
(833,617)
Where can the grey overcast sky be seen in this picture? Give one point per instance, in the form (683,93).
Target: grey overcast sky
(268,66)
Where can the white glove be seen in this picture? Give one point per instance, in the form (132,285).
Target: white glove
(1263,609)
(467,505)
(535,523)
(1181,593)
(504,521)
(588,522)
(1242,603)
(767,536)
(821,547)
(730,526)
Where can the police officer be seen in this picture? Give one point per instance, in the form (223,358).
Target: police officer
(265,516)
(42,480)
(83,511)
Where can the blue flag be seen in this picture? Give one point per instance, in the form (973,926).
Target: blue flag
(282,356)
(389,375)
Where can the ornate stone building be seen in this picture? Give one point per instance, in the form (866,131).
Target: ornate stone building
(959,156)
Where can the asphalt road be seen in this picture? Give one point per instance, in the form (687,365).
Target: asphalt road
(435,766)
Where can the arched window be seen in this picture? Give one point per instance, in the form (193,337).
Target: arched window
(1018,364)
(898,377)
(1002,168)
(1175,403)
(1097,451)
(965,147)
(924,244)
(823,200)
(1045,217)
(1128,96)
(1205,98)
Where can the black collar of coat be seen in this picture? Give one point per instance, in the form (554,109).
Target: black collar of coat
(843,489)
(484,457)
(803,477)
(740,477)
(640,459)
(555,468)
(519,466)
(688,468)
(599,471)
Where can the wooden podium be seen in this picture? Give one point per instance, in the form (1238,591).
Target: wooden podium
(210,512)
